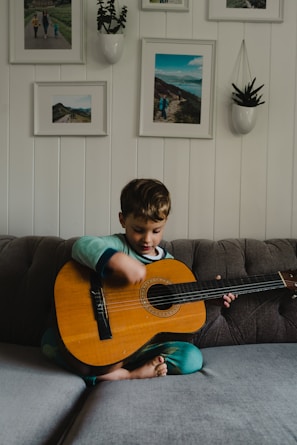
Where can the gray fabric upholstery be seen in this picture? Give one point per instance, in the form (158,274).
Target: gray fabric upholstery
(37,399)
(245,395)
(28,269)
(29,265)
(255,318)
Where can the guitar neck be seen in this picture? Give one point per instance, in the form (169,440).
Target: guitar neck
(211,289)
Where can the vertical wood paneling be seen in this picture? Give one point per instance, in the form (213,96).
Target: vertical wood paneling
(98,149)
(176,177)
(201,190)
(72,187)
(228,146)
(46,186)
(125,117)
(21,159)
(177,22)
(254,144)
(202,151)
(202,28)
(97,196)
(150,158)
(159,21)
(4,121)
(294,164)
(281,125)
(46,169)
(229,186)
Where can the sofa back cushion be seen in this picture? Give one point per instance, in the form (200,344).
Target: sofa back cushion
(28,268)
(254,318)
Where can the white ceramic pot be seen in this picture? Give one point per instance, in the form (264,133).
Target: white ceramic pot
(244,118)
(112,46)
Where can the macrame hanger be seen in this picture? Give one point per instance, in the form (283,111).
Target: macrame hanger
(243,66)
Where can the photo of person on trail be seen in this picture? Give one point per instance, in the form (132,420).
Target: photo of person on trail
(178,88)
(50,28)
(163,104)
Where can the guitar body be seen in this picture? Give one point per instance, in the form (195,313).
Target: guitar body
(132,319)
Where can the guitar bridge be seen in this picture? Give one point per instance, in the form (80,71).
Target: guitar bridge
(101,314)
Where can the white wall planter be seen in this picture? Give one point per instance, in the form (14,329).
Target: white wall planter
(244,118)
(112,46)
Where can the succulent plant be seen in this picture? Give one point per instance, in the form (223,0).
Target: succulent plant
(248,97)
(108,21)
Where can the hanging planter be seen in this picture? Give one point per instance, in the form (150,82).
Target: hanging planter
(112,46)
(244,118)
(110,26)
(245,102)
(244,109)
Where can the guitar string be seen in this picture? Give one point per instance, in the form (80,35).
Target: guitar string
(204,294)
(160,299)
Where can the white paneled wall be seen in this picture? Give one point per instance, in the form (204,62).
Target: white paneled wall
(228,186)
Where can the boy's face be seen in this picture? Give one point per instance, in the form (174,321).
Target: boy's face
(143,235)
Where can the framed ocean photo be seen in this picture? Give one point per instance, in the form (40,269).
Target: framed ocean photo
(177,88)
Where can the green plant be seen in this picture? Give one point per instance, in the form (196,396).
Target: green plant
(108,21)
(249,96)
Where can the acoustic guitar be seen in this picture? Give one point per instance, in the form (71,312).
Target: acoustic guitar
(102,325)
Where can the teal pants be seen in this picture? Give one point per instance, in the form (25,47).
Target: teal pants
(180,357)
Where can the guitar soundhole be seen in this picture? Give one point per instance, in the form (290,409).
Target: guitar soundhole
(158,297)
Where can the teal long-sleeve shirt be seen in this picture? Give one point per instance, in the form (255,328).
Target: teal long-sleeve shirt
(95,252)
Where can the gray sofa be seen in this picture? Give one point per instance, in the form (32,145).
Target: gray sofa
(245,394)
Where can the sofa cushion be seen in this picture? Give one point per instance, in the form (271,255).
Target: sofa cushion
(244,395)
(254,318)
(268,317)
(233,258)
(29,265)
(37,399)
(28,268)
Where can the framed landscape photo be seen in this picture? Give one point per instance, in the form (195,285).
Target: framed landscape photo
(46,34)
(246,11)
(177,88)
(70,108)
(169,5)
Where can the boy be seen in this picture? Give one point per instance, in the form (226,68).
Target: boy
(35,24)
(145,206)
(56,30)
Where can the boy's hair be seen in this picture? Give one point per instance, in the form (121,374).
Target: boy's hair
(146,198)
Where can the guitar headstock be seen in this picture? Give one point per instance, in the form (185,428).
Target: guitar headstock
(290,279)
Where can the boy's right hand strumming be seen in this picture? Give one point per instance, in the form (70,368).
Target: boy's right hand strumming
(124,266)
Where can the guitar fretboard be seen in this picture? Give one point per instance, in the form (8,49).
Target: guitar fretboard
(210,289)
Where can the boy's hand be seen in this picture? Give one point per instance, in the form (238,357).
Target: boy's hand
(123,266)
(228,298)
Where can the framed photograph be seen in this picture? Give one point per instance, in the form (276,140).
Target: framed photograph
(177,88)
(243,11)
(46,34)
(166,5)
(70,108)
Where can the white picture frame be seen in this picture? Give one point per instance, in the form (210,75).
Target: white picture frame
(170,5)
(63,43)
(71,108)
(220,11)
(189,87)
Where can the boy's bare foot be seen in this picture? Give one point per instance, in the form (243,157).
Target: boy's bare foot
(153,368)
